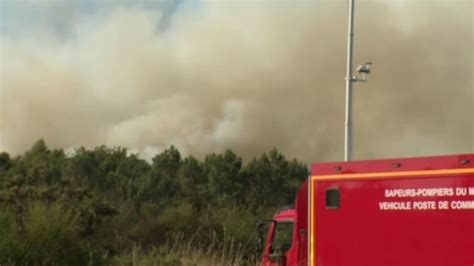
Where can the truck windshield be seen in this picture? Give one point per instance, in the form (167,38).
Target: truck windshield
(282,238)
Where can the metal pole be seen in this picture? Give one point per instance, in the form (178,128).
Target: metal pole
(349,80)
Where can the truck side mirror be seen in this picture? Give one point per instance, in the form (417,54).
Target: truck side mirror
(260,238)
(261,233)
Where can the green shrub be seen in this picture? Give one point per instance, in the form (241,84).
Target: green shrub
(179,219)
(9,240)
(50,236)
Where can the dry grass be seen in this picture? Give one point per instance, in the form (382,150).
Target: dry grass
(190,252)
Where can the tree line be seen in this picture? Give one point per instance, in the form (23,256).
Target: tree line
(95,205)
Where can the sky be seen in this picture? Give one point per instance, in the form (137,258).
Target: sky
(247,75)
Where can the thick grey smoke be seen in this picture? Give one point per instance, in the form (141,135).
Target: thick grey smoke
(247,76)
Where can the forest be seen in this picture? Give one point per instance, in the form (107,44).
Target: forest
(108,206)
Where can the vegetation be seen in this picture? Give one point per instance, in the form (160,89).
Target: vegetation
(105,206)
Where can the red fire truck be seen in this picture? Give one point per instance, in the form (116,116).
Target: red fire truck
(398,212)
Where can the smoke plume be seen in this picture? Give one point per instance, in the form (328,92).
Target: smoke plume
(243,75)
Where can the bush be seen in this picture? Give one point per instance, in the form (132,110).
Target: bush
(49,237)
(9,240)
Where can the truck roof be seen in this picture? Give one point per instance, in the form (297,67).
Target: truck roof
(394,165)
(285,215)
